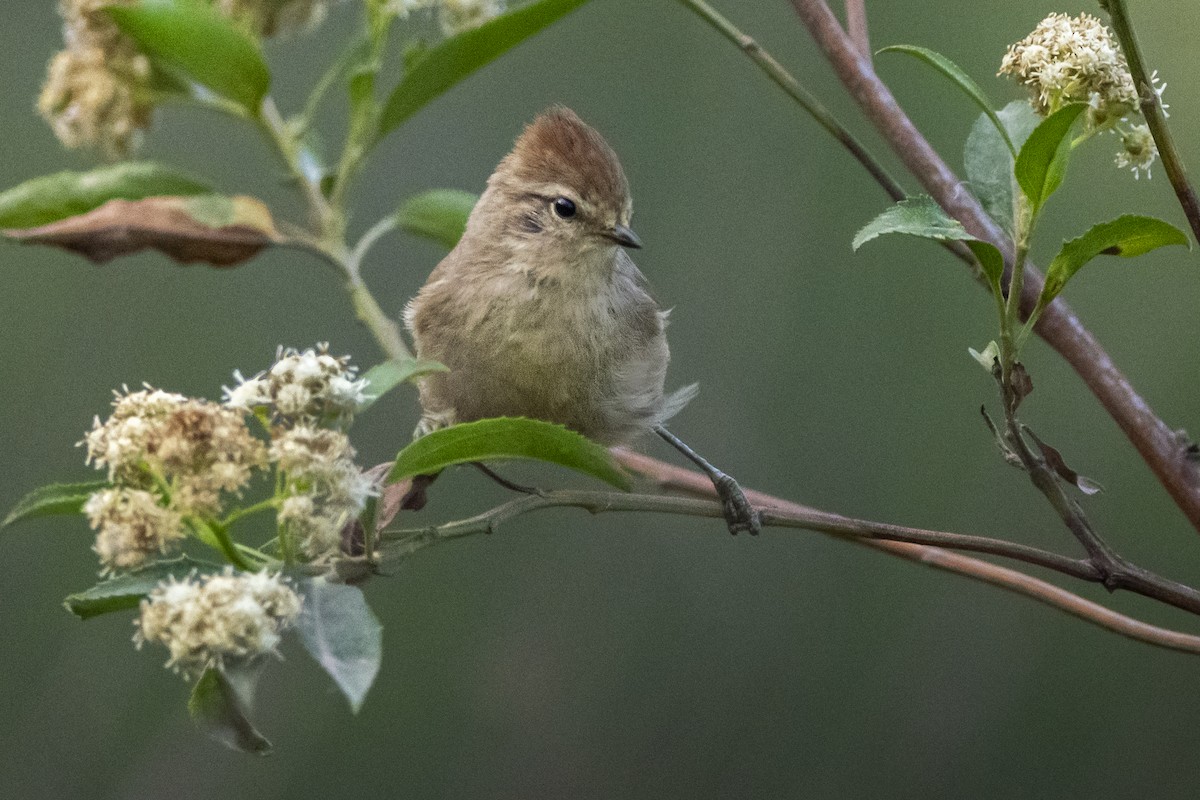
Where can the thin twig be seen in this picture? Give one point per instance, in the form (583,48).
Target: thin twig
(774,515)
(1155,441)
(856,25)
(668,476)
(1152,110)
(808,101)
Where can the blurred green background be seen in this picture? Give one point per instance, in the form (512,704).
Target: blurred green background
(571,656)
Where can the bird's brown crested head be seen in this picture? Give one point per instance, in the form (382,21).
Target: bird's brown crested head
(567,179)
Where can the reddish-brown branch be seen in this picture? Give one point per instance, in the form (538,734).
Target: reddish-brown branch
(1155,441)
(667,476)
(856,25)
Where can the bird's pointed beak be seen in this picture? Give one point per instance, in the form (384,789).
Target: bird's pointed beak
(624,236)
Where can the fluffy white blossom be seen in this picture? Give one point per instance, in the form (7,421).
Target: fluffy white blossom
(1138,151)
(302,384)
(201,448)
(97,90)
(206,621)
(456,16)
(1073,59)
(132,526)
(328,489)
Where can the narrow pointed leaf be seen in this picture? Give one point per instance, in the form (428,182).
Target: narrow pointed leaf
(57,499)
(960,79)
(219,706)
(192,37)
(1126,236)
(47,199)
(1042,162)
(989,163)
(384,377)
(449,62)
(342,634)
(440,215)
(126,591)
(507,437)
(213,229)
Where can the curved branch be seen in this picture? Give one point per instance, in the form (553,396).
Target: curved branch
(775,514)
(671,477)
(1155,441)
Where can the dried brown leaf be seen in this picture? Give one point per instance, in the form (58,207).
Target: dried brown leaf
(213,229)
(1056,462)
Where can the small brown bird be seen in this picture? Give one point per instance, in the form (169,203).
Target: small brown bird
(540,312)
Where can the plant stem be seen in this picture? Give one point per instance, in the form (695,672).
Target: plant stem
(1152,110)
(784,80)
(1156,442)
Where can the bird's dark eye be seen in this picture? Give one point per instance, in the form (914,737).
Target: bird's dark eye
(563,207)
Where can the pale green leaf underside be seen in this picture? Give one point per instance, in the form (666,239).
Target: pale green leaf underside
(439,214)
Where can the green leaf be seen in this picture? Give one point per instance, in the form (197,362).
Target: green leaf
(507,437)
(127,590)
(914,216)
(384,377)
(342,634)
(220,706)
(191,36)
(47,199)
(452,60)
(1126,236)
(922,216)
(1042,162)
(989,163)
(440,215)
(960,79)
(57,499)
(991,262)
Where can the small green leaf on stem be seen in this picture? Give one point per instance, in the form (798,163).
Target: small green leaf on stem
(125,591)
(989,163)
(57,499)
(194,38)
(959,78)
(384,377)
(914,216)
(452,60)
(220,706)
(1042,162)
(507,437)
(342,634)
(1126,236)
(439,214)
(922,216)
(40,201)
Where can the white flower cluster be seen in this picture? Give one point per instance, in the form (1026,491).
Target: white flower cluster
(454,16)
(324,490)
(271,17)
(1138,150)
(302,385)
(209,620)
(167,456)
(1075,60)
(1070,60)
(97,90)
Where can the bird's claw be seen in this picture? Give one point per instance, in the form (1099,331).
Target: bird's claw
(740,516)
